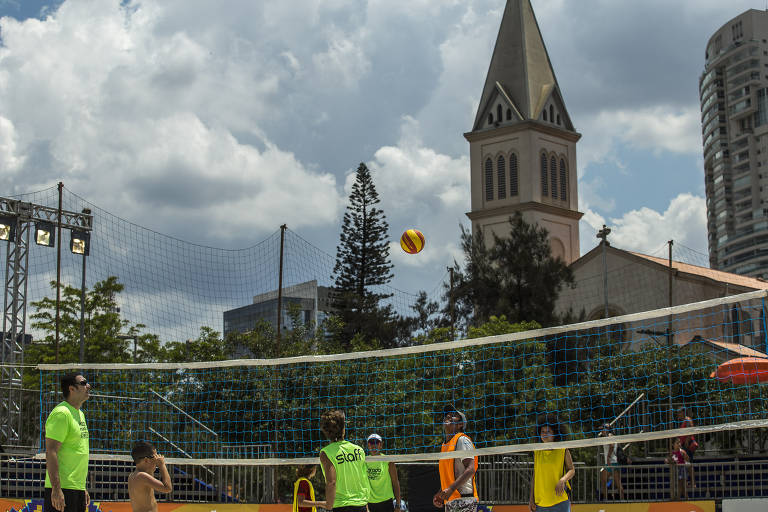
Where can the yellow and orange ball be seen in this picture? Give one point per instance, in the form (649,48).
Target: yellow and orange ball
(412,241)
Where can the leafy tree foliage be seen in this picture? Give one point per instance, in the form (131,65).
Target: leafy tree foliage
(107,335)
(517,277)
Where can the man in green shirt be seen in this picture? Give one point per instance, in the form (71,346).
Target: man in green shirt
(385,485)
(343,463)
(66,449)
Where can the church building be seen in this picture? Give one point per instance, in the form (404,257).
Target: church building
(523,144)
(523,159)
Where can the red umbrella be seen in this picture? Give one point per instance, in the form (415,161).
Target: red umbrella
(743,370)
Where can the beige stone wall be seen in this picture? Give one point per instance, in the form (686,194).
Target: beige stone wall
(635,286)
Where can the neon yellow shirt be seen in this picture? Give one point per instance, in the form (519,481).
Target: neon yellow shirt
(67,425)
(352,487)
(548,468)
(381,482)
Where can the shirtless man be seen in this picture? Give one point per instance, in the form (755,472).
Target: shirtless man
(141,484)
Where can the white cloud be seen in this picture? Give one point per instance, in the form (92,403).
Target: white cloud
(344,62)
(10,160)
(656,129)
(422,189)
(645,230)
(117,108)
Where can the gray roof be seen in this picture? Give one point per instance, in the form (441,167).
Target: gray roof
(520,68)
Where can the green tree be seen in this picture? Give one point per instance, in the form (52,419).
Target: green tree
(516,277)
(362,264)
(106,333)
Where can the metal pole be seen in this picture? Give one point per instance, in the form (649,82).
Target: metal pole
(603,235)
(82,314)
(58,272)
(280,290)
(669,341)
(451,306)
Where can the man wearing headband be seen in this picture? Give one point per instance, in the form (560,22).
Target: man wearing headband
(457,475)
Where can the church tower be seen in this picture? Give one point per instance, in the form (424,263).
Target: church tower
(523,145)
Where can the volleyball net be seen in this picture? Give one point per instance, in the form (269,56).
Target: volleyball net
(632,371)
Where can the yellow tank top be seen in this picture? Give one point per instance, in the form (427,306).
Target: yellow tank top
(548,468)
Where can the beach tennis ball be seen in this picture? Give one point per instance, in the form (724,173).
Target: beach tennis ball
(412,241)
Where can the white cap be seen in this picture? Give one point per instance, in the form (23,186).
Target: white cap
(374,436)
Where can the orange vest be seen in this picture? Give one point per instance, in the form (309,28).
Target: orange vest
(447,476)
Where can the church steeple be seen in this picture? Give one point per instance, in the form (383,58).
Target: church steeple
(523,145)
(520,74)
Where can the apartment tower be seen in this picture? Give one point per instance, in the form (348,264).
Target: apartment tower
(734,124)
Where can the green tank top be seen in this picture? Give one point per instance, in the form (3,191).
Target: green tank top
(352,487)
(381,482)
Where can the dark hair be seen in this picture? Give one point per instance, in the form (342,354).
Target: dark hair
(552,421)
(332,424)
(69,379)
(141,450)
(305,470)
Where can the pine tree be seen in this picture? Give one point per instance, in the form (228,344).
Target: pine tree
(362,264)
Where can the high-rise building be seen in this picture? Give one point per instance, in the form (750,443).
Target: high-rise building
(734,124)
(522,145)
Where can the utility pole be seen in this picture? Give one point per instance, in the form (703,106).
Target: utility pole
(603,236)
(280,290)
(58,271)
(451,307)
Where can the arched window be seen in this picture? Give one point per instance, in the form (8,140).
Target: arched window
(501,173)
(563,180)
(553,176)
(498,113)
(552,113)
(509,114)
(544,113)
(544,181)
(558,119)
(488,180)
(490,118)
(513,175)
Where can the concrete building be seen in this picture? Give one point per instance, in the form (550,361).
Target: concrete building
(313,303)
(638,282)
(734,119)
(523,144)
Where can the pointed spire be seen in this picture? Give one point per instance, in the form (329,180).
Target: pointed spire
(520,68)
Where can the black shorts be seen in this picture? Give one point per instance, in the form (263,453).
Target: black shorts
(74,501)
(382,506)
(349,509)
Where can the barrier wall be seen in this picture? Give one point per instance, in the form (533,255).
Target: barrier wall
(36,505)
(662,506)
(749,505)
(754,505)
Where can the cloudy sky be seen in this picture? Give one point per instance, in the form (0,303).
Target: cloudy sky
(207,120)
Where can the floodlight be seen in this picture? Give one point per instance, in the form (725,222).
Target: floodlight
(80,243)
(7,228)
(44,234)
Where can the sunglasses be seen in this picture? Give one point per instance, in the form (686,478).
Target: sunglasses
(374,441)
(82,383)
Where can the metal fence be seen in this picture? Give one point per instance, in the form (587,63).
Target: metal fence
(507,481)
(23,477)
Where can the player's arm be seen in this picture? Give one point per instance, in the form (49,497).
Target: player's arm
(395,483)
(303,502)
(531,499)
(147,480)
(569,473)
(469,472)
(330,481)
(52,447)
